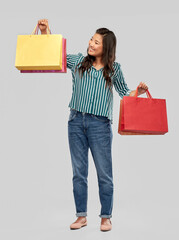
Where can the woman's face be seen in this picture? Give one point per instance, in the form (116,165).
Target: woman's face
(96,45)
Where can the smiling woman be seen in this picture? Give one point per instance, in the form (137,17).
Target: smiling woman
(96,46)
(101,54)
(90,119)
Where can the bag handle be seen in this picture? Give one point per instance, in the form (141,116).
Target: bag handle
(36,29)
(147,92)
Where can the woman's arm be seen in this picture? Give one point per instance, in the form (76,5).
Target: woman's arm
(71,58)
(121,86)
(119,82)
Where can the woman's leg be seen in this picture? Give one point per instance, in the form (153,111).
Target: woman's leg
(100,143)
(78,145)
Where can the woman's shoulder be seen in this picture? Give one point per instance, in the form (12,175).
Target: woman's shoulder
(80,58)
(116,65)
(77,55)
(80,54)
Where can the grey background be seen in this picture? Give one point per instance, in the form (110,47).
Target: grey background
(36,200)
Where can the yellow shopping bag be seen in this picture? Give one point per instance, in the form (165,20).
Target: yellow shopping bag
(39,52)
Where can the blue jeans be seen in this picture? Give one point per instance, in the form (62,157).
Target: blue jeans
(95,132)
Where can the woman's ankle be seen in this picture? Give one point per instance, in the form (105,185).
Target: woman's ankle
(81,217)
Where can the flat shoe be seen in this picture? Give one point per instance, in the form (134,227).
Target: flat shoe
(106,227)
(78,225)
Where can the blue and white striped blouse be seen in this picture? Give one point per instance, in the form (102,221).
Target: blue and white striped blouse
(89,93)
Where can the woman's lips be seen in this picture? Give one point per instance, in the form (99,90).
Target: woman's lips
(90,49)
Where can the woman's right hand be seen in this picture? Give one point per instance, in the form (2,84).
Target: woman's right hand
(43,25)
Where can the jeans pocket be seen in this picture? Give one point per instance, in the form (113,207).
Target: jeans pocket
(100,118)
(72,115)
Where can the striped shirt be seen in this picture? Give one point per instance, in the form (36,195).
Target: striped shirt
(89,93)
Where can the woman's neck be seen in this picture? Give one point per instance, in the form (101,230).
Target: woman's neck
(98,61)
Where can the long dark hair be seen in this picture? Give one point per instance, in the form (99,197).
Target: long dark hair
(108,56)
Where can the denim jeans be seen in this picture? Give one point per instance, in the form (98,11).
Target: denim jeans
(95,132)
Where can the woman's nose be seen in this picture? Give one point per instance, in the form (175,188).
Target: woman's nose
(91,43)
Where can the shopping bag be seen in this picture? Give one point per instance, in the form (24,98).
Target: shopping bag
(64,63)
(142,116)
(39,52)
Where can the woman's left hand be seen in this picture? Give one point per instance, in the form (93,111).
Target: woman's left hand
(142,87)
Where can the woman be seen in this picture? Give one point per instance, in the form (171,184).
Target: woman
(89,124)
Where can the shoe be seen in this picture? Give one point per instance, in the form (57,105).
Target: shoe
(106,224)
(79,223)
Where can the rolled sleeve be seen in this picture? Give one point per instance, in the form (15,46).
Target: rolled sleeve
(119,83)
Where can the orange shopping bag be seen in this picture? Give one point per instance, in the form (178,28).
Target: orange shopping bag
(39,52)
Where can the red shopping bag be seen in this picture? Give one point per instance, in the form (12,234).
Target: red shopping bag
(64,63)
(141,116)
